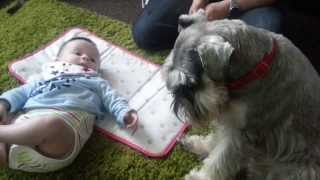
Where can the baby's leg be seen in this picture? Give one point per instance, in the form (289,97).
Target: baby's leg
(49,135)
(3,155)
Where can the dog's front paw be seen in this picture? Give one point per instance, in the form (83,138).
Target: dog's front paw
(196,175)
(196,144)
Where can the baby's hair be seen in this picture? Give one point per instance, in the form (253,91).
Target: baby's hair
(73,39)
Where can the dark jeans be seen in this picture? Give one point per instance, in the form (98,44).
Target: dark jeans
(156,28)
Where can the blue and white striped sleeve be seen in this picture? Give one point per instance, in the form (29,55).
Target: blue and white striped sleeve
(114,103)
(18,96)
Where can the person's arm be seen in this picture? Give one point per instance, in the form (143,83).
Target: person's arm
(250,4)
(196,5)
(220,9)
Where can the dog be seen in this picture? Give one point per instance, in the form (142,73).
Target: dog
(258,91)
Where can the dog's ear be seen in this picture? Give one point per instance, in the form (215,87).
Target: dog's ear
(214,53)
(175,77)
(185,20)
(167,66)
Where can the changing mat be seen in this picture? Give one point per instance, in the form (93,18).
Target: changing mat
(136,79)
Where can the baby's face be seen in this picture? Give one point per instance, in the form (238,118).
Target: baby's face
(82,53)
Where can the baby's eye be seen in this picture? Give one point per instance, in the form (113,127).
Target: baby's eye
(92,60)
(78,53)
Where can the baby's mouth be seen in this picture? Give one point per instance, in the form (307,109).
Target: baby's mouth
(86,69)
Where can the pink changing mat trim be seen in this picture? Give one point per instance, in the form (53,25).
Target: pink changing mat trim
(103,132)
(160,155)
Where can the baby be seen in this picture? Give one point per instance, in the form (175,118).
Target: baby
(59,112)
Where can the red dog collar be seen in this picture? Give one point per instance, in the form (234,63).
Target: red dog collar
(258,72)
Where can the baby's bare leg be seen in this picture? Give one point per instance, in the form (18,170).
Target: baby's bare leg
(49,135)
(3,155)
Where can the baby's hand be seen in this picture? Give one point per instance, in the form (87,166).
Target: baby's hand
(131,119)
(3,113)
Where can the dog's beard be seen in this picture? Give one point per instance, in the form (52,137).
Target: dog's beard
(202,103)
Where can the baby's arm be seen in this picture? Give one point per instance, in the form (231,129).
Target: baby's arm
(118,106)
(17,97)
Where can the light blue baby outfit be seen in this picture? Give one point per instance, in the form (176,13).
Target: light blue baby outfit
(75,91)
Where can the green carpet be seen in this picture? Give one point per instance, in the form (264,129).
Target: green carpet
(37,23)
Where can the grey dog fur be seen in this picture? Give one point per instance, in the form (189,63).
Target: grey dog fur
(270,127)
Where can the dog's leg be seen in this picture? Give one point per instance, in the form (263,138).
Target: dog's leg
(291,172)
(224,161)
(198,144)
(289,156)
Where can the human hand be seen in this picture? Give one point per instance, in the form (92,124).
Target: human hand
(217,10)
(131,119)
(196,5)
(3,113)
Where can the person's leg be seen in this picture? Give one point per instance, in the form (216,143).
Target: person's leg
(49,135)
(157,26)
(269,18)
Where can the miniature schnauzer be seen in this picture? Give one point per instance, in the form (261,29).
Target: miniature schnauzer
(259,92)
